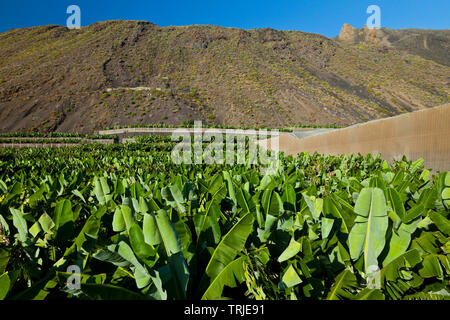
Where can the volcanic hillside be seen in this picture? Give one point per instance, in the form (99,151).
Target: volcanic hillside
(132,72)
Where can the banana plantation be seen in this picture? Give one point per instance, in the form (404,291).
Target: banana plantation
(109,222)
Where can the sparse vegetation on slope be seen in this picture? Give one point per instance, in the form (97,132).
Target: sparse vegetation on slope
(55,79)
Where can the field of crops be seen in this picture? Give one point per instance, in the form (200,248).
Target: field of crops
(53,139)
(138,226)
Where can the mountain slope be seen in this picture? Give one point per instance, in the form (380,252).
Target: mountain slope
(429,44)
(127,72)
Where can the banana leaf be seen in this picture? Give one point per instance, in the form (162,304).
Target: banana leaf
(230,276)
(344,286)
(367,236)
(5,284)
(230,245)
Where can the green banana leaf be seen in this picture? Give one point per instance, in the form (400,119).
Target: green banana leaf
(122,219)
(370,294)
(344,286)
(231,189)
(178,276)
(64,220)
(206,225)
(20,223)
(332,207)
(102,190)
(396,204)
(141,273)
(431,267)
(289,279)
(5,284)
(4,227)
(230,276)
(400,240)
(109,292)
(293,248)
(315,205)
(271,203)
(245,200)
(368,234)
(440,221)
(392,271)
(289,197)
(174,198)
(143,251)
(230,245)
(15,191)
(168,234)
(150,229)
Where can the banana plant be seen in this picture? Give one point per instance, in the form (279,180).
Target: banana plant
(367,236)
(141,227)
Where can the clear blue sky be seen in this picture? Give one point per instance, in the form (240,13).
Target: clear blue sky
(319,16)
